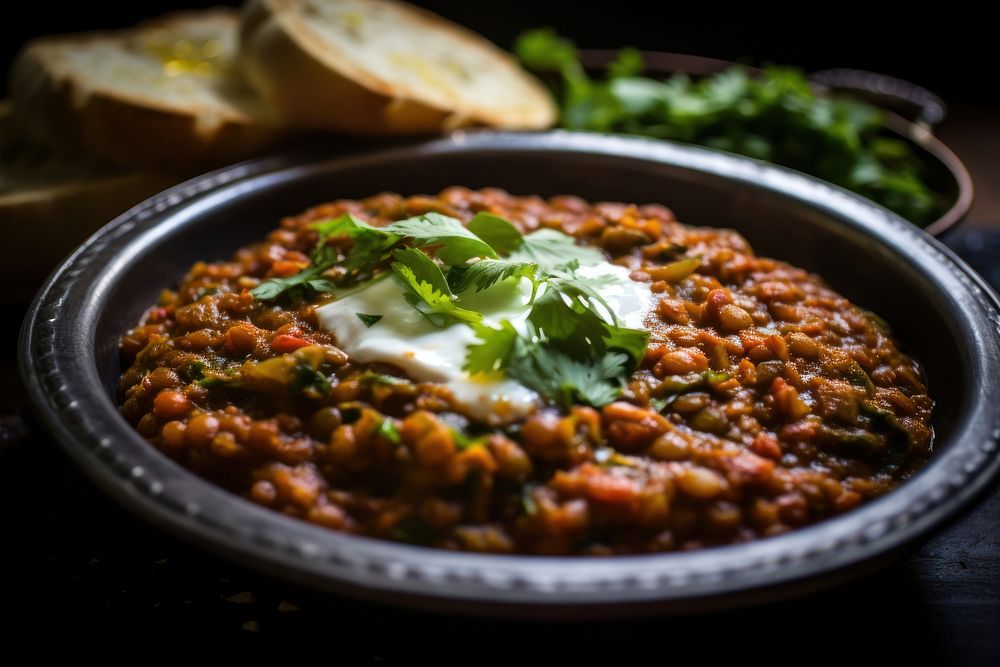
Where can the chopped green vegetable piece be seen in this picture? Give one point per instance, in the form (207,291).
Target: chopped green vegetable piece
(660,404)
(713,377)
(389,431)
(308,381)
(368,320)
(463,441)
(192,372)
(371,377)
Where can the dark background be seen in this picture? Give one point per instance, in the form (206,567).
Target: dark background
(72,562)
(949,48)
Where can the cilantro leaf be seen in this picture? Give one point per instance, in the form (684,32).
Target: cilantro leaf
(565,380)
(306,282)
(423,268)
(494,351)
(370,245)
(632,342)
(578,328)
(595,378)
(582,290)
(368,320)
(270,289)
(427,289)
(457,244)
(487,272)
(551,249)
(499,233)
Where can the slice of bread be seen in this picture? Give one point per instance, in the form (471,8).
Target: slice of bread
(383,67)
(166,92)
(51,201)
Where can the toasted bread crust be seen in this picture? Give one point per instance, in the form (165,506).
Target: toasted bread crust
(62,108)
(317,85)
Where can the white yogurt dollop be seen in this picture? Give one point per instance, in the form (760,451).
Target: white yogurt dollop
(404,337)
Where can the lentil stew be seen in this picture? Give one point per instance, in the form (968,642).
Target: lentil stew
(764,401)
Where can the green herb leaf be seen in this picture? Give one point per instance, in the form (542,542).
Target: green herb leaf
(774,115)
(309,381)
(494,350)
(307,282)
(487,272)
(575,325)
(370,245)
(543,49)
(632,342)
(427,289)
(628,62)
(550,250)
(368,320)
(457,243)
(565,380)
(502,236)
(270,289)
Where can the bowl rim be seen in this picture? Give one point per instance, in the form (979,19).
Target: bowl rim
(56,361)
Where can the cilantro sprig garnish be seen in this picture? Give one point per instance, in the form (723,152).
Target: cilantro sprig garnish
(569,353)
(427,289)
(305,283)
(370,247)
(573,349)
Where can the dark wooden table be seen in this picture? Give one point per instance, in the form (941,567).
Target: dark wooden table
(76,562)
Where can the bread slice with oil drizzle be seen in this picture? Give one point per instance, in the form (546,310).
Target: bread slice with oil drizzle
(166,92)
(383,67)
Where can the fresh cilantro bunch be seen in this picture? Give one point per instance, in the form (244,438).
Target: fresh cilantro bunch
(775,116)
(575,348)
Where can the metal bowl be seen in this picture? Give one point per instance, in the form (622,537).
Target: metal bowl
(942,312)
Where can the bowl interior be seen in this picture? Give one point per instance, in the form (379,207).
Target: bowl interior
(873,276)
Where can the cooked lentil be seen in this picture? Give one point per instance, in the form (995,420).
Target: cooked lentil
(766,401)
